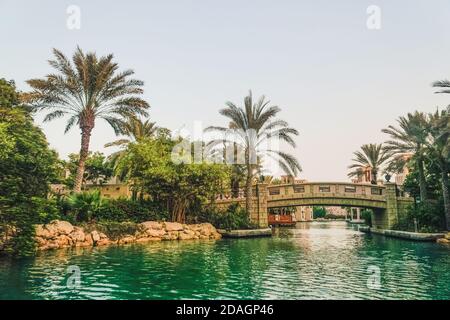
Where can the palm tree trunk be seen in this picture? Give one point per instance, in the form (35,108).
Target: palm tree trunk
(234,185)
(248,189)
(445,194)
(422,181)
(85,139)
(374,177)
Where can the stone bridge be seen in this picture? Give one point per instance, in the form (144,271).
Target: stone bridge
(386,201)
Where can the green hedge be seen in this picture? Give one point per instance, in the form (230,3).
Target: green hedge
(233,218)
(122,210)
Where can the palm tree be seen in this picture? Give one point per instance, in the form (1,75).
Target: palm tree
(437,147)
(86,89)
(136,129)
(370,156)
(253,125)
(445,84)
(409,139)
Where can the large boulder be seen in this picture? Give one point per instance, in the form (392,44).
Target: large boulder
(154,225)
(171,235)
(173,226)
(186,235)
(78,235)
(95,235)
(443,241)
(61,227)
(155,233)
(43,232)
(64,241)
(204,228)
(127,239)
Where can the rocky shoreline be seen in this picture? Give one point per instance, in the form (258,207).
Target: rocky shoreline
(62,234)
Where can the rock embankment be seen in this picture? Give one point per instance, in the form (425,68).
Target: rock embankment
(445,239)
(62,234)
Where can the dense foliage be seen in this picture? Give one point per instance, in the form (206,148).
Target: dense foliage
(149,168)
(319,212)
(122,210)
(97,169)
(27,166)
(428,215)
(234,217)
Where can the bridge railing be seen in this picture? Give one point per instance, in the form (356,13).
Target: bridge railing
(332,189)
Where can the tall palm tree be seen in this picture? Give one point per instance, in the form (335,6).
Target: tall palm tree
(86,89)
(253,125)
(370,156)
(445,122)
(409,139)
(437,147)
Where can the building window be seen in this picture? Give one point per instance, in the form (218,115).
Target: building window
(274,191)
(377,191)
(299,189)
(324,189)
(351,189)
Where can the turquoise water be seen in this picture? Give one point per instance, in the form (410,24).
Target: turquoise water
(312,261)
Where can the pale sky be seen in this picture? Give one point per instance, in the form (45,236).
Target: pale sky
(337,82)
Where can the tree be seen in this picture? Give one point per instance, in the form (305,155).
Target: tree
(148,165)
(371,156)
(27,166)
(437,148)
(135,129)
(253,125)
(319,212)
(408,144)
(97,168)
(87,89)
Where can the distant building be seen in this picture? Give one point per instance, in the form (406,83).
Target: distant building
(364,176)
(111,190)
(401,176)
(288,179)
(336,211)
(303,213)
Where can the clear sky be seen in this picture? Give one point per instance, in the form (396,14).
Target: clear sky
(337,82)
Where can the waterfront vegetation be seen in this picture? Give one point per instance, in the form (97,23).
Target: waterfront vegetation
(90,88)
(420,145)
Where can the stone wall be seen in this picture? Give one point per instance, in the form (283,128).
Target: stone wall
(62,234)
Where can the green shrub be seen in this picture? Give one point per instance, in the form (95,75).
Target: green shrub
(319,212)
(128,210)
(424,217)
(333,216)
(116,230)
(46,209)
(366,214)
(83,205)
(233,218)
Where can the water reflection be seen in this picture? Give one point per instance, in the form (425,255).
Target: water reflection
(311,261)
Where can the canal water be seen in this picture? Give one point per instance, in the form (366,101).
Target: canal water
(313,261)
